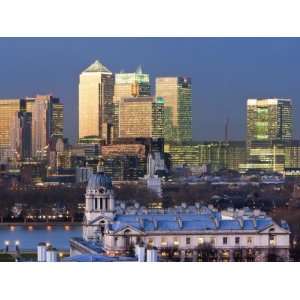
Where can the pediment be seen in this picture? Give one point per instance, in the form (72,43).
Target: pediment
(129,230)
(274,228)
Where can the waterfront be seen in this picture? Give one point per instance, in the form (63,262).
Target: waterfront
(29,236)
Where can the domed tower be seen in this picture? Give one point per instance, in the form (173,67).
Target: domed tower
(99,205)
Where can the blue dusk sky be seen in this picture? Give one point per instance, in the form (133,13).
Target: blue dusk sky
(224,71)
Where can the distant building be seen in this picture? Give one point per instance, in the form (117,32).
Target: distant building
(8,110)
(177,95)
(216,155)
(269,126)
(128,85)
(21,136)
(124,167)
(141,117)
(47,123)
(96,88)
(83,174)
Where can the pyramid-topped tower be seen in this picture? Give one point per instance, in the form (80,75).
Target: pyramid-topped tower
(98,67)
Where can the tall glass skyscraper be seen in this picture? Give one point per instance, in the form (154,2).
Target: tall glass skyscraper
(20,136)
(47,122)
(269,126)
(269,119)
(177,94)
(96,87)
(8,109)
(127,85)
(141,117)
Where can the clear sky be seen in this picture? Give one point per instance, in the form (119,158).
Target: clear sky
(224,71)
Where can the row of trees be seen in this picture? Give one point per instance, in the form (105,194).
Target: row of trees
(43,200)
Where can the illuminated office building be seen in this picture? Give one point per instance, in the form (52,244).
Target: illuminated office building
(141,117)
(96,87)
(47,123)
(177,94)
(269,127)
(8,109)
(216,155)
(269,119)
(129,85)
(20,136)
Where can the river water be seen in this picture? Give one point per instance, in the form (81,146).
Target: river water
(29,236)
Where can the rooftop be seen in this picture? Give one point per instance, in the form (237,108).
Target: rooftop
(97,66)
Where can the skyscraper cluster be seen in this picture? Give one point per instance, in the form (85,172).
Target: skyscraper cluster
(122,120)
(28,125)
(121,105)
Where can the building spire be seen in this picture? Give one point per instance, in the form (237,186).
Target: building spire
(100,167)
(139,70)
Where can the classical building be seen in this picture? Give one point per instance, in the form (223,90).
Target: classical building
(182,233)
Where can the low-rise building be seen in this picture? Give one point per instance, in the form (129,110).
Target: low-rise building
(180,233)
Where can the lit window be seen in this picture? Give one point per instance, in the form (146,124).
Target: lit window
(188,240)
(272,240)
(150,242)
(163,242)
(200,241)
(225,240)
(176,242)
(249,240)
(237,240)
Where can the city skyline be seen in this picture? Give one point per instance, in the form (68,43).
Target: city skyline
(220,68)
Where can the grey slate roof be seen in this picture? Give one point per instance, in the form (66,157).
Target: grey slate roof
(208,220)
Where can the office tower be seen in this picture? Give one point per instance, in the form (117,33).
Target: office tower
(47,123)
(129,85)
(96,87)
(20,136)
(269,119)
(177,94)
(8,109)
(269,127)
(141,117)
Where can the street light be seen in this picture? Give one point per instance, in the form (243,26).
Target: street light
(17,243)
(6,243)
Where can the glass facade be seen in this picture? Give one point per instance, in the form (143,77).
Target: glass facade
(20,136)
(8,109)
(269,126)
(96,87)
(47,122)
(177,94)
(128,85)
(216,155)
(141,117)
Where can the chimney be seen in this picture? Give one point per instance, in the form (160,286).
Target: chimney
(152,255)
(41,252)
(51,254)
(140,252)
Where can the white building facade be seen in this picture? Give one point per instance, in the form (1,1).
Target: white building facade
(183,233)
